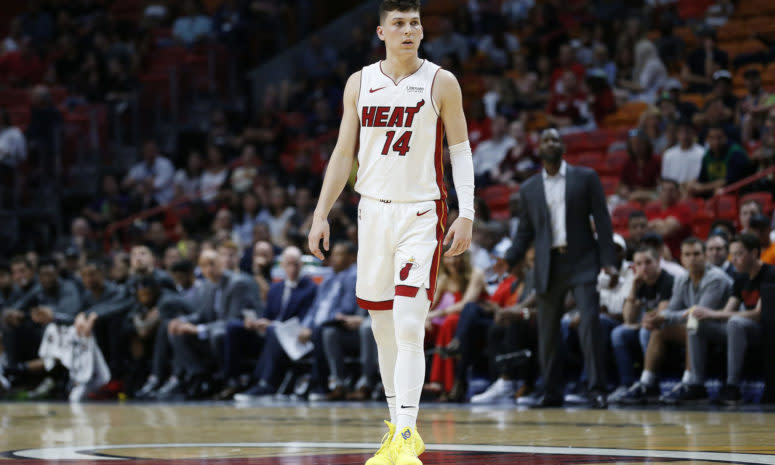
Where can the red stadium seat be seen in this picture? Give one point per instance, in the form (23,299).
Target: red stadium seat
(616,160)
(610,183)
(591,159)
(621,214)
(653,207)
(725,207)
(496,197)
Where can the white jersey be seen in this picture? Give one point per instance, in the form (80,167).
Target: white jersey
(400,154)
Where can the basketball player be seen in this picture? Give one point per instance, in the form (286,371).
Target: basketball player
(396,112)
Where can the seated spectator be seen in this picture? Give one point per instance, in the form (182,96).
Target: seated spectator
(568,107)
(81,238)
(497,45)
(143,265)
(215,173)
(145,334)
(736,324)
(188,180)
(601,97)
(661,132)
(254,334)
(520,161)
(723,164)
(245,169)
(490,153)
(640,174)
(250,211)
(155,172)
(717,249)
(13,145)
(753,107)
(333,324)
(648,75)
(188,286)
(704,285)
(702,62)
(683,161)
(52,300)
(746,211)
(197,340)
(673,219)
(722,88)
(108,205)
(512,332)
(466,284)
(759,225)
(192,26)
(8,292)
(649,290)
(637,225)
(103,312)
(229,254)
(277,215)
(715,113)
(566,62)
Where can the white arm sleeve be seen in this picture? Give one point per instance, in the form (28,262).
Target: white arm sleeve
(463,177)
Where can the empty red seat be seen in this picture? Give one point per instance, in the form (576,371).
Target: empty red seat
(496,197)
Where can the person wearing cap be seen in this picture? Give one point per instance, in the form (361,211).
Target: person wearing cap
(722,88)
(702,62)
(722,165)
(683,161)
(759,225)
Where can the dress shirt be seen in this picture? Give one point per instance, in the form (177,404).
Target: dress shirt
(554,189)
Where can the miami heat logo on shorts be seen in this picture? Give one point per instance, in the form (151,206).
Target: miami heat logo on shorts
(404,273)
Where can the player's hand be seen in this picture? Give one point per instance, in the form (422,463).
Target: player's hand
(319,230)
(42,315)
(460,234)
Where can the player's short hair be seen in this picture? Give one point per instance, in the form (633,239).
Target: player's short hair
(636,214)
(644,248)
(182,266)
(21,259)
(749,241)
(397,5)
(690,241)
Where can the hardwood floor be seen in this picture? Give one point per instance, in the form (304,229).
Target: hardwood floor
(302,434)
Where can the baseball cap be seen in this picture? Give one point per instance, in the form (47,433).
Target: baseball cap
(722,74)
(501,248)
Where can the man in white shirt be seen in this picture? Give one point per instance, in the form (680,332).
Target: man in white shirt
(683,161)
(155,171)
(490,153)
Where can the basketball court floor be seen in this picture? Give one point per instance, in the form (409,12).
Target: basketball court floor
(345,434)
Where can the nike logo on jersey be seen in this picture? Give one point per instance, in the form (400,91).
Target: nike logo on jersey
(371,91)
(421,214)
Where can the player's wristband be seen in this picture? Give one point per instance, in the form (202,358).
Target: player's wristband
(462,161)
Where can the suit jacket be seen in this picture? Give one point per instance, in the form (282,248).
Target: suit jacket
(336,294)
(299,302)
(584,197)
(238,292)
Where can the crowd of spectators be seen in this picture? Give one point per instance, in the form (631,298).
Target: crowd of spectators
(213,296)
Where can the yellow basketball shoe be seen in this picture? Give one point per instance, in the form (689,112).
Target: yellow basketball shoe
(406,447)
(383,455)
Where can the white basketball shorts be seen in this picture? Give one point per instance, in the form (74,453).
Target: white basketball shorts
(399,250)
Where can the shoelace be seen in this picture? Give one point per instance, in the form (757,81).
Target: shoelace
(385,443)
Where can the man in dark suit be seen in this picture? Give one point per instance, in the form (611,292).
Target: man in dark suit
(557,204)
(293,297)
(197,340)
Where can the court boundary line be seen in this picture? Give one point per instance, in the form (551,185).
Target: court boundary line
(92,452)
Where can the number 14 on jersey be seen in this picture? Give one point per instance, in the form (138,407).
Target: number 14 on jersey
(401,144)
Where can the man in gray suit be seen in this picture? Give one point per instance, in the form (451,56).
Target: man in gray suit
(557,204)
(197,340)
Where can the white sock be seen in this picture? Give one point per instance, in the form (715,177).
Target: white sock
(385,336)
(647,377)
(409,319)
(687,377)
